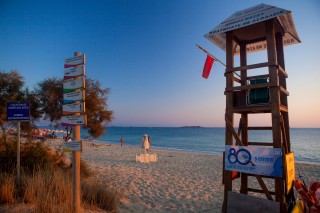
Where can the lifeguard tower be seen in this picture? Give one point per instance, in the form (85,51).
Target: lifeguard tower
(253,89)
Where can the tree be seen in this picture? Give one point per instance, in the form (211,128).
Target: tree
(11,84)
(50,93)
(96,108)
(11,90)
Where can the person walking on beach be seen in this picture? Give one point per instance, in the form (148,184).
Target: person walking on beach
(149,140)
(122,140)
(145,144)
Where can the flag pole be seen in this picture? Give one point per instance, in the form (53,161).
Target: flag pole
(215,58)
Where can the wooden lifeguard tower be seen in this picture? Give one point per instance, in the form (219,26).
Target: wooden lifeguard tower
(253,89)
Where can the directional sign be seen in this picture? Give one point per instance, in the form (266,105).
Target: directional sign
(71,85)
(78,95)
(74,72)
(18,111)
(73,108)
(73,146)
(74,61)
(72,120)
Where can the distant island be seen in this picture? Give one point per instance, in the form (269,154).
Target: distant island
(191,127)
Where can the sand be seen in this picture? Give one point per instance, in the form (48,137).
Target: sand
(178,182)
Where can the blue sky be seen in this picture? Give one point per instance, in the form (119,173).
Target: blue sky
(145,52)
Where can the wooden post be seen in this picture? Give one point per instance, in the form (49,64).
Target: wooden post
(18,154)
(76,166)
(229,113)
(244,116)
(275,101)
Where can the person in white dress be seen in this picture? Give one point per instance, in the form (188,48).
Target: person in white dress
(145,143)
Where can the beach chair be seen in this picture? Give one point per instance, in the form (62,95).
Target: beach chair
(146,158)
(258,96)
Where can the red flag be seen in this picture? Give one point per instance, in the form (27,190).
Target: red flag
(207,67)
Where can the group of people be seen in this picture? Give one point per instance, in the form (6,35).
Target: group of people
(145,142)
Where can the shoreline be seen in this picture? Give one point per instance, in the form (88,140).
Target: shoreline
(184,150)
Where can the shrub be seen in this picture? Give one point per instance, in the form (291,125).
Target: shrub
(34,155)
(7,188)
(46,180)
(97,194)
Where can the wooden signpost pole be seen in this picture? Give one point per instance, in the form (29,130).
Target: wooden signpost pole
(73,110)
(76,165)
(18,153)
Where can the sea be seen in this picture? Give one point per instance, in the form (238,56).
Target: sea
(305,142)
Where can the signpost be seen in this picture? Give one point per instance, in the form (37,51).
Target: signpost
(72,97)
(74,72)
(77,60)
(73,120)
(73,146)
(17,111)
(74,106)
(71,85)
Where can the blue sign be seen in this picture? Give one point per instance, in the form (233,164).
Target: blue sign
(254,160)
(17,111)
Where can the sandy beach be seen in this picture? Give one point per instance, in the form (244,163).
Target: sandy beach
(178,182)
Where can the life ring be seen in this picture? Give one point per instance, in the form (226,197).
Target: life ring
(304,193)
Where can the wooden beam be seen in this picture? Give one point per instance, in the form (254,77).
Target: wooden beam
(251,86)
(247,67)
(282,71)
(260,143)
(283,108)
(244,116)
(229,113)
(237,80)
(234,133)
(283,90)
(275,102)
(253,109)
(258,76)
(284,136)
(264,187)
(260,128)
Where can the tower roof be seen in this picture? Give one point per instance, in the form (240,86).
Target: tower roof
(248,26)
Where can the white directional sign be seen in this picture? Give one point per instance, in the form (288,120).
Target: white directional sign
(73,108)
(74,61)
(72,120)
(74,72)
(71,85)
(73,146)
(70,97)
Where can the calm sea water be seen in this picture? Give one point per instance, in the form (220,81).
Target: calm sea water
(305,143)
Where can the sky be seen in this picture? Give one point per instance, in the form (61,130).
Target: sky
(145,52)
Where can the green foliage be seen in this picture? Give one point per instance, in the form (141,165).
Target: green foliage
(33,156)
(50,95)
(11,84)
(11,90)
(96,108)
